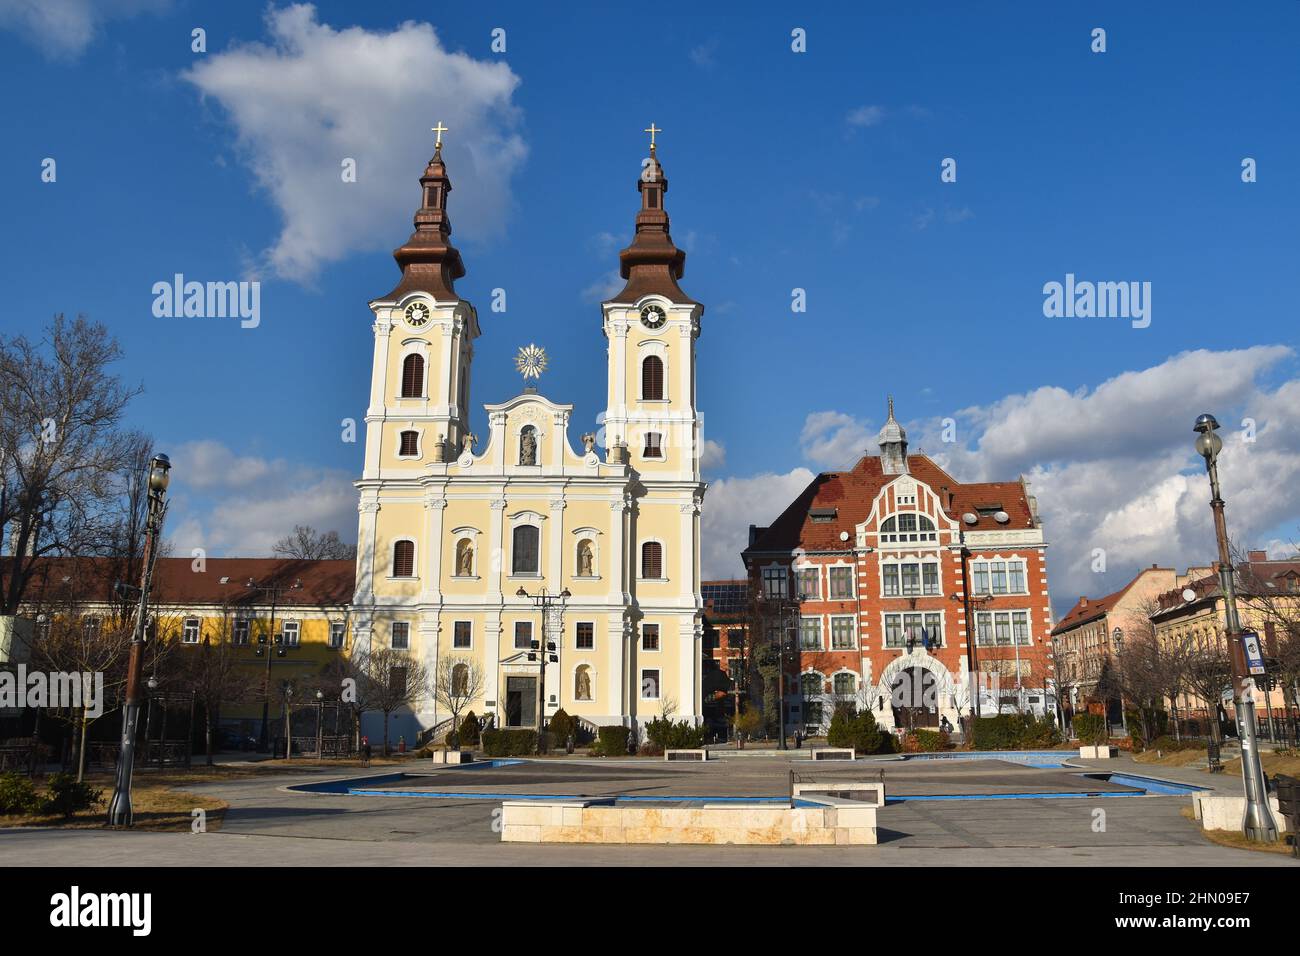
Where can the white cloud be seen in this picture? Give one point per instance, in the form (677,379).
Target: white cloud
(731,505)
(317,95)
(240,505)
(63,29)
(835,440)
(865,116)
(604,288)
(713,455)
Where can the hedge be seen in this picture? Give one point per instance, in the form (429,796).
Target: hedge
(859,731)
(926,741)
(611,741)
(1091,729)
(1014,732)
(509,743)
(674,735)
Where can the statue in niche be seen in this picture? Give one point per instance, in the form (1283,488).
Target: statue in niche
(467,441)
(586,560)
(589,442)
(465,559)
(528,446)
(582,684)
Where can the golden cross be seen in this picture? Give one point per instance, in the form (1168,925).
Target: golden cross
(439,129)
(652,129)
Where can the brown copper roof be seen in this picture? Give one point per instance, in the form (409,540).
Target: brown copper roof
(324,583)
(652,264)
(428,260)
(851,494)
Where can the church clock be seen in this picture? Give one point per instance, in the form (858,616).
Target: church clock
(417,315)
(653,317)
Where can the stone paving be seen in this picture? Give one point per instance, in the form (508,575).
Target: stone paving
(270,825)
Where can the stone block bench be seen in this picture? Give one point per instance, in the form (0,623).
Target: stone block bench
(834,753)
(700,754)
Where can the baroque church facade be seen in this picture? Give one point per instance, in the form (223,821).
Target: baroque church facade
(460,537)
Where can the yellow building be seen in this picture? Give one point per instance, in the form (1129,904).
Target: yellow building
(458,535)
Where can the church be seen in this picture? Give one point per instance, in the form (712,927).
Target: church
(553,575)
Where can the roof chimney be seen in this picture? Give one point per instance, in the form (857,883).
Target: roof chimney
(1254,556)
(1083,602)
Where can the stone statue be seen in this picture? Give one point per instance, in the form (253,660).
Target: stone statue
(582,690)
(585,562)
(465,560)
(528,446)
(467,441)
(589,442)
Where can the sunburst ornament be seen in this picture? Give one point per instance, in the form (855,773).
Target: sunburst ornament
(531,362)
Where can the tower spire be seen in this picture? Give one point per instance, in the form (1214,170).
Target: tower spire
(652,264)
(428,260)
(893,445)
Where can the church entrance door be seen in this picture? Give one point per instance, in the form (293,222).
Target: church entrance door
(521,701)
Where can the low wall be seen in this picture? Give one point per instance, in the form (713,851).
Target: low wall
(834,753)
(452,756)
(1217,812)
(832,822)
(867,791)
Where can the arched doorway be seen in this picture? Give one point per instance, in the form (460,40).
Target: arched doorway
(914,697)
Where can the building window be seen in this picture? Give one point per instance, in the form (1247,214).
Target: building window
(652,379)
(652,560)
(842,636)
(403,559)
(907,527)
(810,685)
(653,445)
(810,633)
(1001,627)
(462,635)
(524,557)
(846,685)
(650,684)
(913,630)
(413,376)
(239,631)
(776,582)
(410,444)
(399,636)
(337,630)
(910,579)
(190,631)
(649,637)
(291,632)
(998,577)
(523,635)
(585,637)
(809,583)
(841,583)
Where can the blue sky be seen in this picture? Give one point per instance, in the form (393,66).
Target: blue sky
(817,170)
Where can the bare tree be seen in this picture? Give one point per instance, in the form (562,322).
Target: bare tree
(1209,673)
(60,447)
(457,682)
(389,680)
(308,544)
(214,674)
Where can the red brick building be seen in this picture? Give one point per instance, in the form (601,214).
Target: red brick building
(894,583)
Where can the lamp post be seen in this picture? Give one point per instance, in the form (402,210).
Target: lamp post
(275,590)
(1257,822)
(544,651)
(119,806)
(320,720)
(288,733)
(1117,638)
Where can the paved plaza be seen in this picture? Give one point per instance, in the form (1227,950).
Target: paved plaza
(269,824)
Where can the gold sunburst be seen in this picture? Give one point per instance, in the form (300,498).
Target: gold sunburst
(531,361)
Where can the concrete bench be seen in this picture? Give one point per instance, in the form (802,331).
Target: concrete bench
(700,754)
(1219,812)
(861,791)
(452,756)
(1098,753)
(834,753)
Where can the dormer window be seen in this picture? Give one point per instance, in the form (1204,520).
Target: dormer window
(907,527)
(822,515)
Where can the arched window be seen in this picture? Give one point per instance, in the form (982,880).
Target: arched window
(652,560)
(652,378)
(907,526)
(403,559)
(524,557)
(810,685)
(460,680)
(413,376)
(846,685)
(582,683)
(410,444)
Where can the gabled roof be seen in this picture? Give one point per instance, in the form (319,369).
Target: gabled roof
(852,493)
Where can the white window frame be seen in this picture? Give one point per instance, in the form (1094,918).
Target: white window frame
(902,617)
(991,617)
(659,637)
(816,569)
(576,645)
(514,636)
(290,626)
(415,560)
(853,632)
(821,639)
(237,624)
(785,570)
(412,347)
(341,628)
(640,560)
(659,683)
(419,443)
(191,623)
(646,348)
(536,520)
(462,647)
(853,588)
(898,538)
(986,562)
(392,635)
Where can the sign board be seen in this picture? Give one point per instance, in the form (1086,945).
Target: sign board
(1254,656)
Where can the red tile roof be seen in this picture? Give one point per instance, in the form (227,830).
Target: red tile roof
(852,493)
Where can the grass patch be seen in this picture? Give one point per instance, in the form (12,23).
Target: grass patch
(1175,758)
(1235,840)
(1273,764)
(156,805)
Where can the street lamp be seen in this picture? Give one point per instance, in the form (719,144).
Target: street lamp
(119,806)
(1258,822)
(288,737)
(543,652)
(1117,638)
(276,591)
(320,720)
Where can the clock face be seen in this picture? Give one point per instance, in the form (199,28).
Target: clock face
(417,315)
(653,317)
